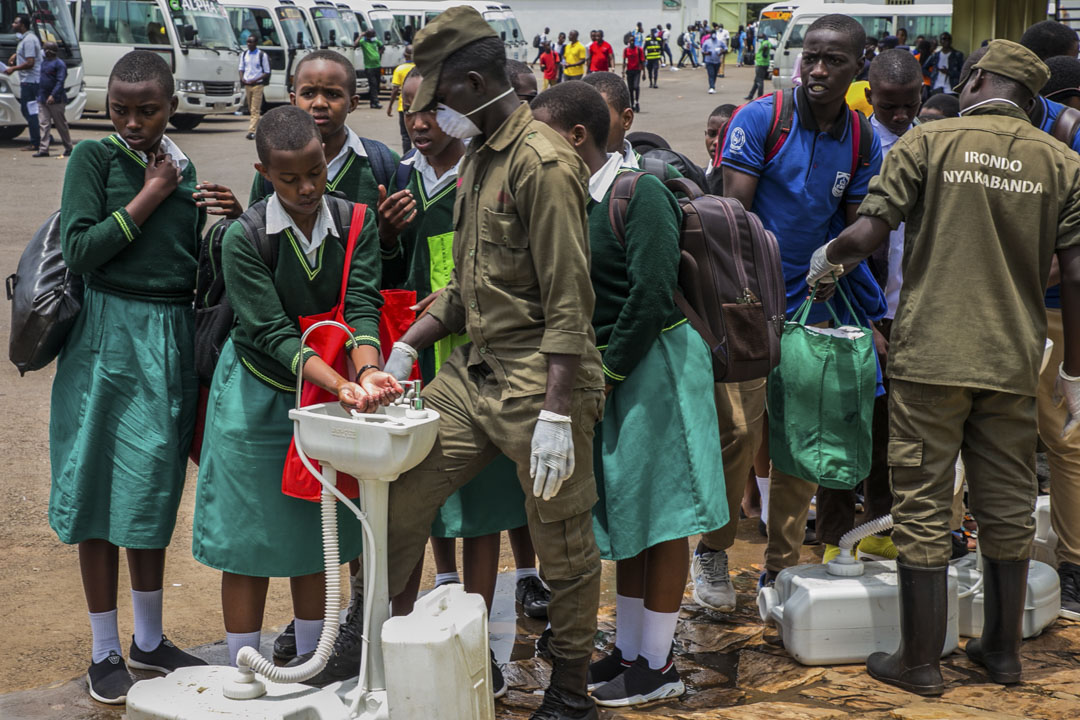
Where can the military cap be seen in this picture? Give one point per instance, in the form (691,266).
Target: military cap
(1014,61)
(452,30)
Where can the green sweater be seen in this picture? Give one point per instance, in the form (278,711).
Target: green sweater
(424,260)
(268,303)
(634,285)
(355,179)
(155,262)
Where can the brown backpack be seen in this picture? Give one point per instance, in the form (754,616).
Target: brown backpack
(731,284)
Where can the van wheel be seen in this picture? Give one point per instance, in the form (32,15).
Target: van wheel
(10,132)
(185,121)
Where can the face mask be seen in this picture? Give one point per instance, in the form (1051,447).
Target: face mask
(458,125)
(984,102)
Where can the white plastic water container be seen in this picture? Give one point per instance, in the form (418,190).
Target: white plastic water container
(827,619)
(438,666)
(1041,607)
(1044,546)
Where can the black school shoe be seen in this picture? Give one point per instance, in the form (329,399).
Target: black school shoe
(344,660)
(165,658)
(533,596)
(285,643)
(108,681)
(640,684)
(606,669)
(498,682)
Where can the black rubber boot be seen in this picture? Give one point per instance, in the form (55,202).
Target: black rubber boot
(915,666)
(566,697)
(1004,592)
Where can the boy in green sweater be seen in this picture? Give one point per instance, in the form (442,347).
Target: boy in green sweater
(247,423)
(659,474)
(325,88)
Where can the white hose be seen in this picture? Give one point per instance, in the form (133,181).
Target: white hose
(846,563)
(249,657)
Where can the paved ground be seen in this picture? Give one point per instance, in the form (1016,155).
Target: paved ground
(733,666)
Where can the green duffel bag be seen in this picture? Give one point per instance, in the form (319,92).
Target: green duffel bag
(821,400)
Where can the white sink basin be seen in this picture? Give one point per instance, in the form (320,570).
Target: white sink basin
(379,445)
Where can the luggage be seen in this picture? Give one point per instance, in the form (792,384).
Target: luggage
(821,400)
(46,299)
(730,279)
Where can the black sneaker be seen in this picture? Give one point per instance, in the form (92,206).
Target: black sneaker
(250,136)
(344,660)
(533,596)
(640,684)
(285,643)
(1070,590)
(165,658)
(606,669)
(498,682)
(543,644)
(109,681)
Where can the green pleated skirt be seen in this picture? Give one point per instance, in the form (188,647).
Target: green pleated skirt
(657,457)
(243,523)
(120,421)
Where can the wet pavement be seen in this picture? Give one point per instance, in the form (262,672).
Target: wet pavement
(734,669)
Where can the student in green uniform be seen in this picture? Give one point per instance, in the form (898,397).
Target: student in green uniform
(650,501)
(124,395)
(621,118)
(964,362)
(325,87)
(244,525)
(417,232)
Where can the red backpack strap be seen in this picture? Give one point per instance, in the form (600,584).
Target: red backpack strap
(783,114)
(861,142)
(621,192)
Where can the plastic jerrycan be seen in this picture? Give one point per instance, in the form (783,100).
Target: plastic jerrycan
(438,665)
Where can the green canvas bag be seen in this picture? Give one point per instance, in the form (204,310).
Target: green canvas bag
(821,400)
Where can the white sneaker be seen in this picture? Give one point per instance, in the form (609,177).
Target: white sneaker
(712,584)
(712,91)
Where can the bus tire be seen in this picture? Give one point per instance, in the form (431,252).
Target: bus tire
(185,121)
(10,132)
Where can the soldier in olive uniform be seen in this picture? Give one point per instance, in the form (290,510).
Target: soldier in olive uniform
(530,384)
(990,199)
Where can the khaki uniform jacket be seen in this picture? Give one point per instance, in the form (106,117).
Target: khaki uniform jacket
(520,287)
(987,199)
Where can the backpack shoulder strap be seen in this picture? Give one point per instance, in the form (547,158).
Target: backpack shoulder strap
(403,172)
(254,223)
(1066,125)
(621,192)
(654,166)
(783,114)
(381,159)
(861,143)
(341,211)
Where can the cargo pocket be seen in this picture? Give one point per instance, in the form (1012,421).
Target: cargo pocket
(905,452)
(577,495)
(506,260)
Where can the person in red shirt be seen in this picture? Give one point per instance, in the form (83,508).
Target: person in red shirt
(633,63)
(549,65)
(601,54)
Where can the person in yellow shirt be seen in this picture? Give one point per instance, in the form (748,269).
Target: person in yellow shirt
(574,58)
(396,82)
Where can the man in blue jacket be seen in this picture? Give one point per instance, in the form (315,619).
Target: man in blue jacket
(943,67)
(51,101)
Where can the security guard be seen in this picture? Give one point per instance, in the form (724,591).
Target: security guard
(988,199)
(530,384)
(653,52)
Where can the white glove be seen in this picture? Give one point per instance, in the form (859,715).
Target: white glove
(1067,390)
(821,270)
(400,362)
(552,459)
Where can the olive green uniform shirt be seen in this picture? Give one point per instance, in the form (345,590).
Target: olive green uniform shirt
(520,286)
(987,199)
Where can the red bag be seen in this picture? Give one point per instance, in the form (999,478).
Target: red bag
(329,343)
(397,316)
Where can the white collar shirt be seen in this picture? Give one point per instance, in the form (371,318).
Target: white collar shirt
(278,220)
(601,181)
(352,142)
(433,182)
(629,157)
(165,147)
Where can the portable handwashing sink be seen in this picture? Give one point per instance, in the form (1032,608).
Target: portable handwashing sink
(374,448)
(1041,605)
(1044,546)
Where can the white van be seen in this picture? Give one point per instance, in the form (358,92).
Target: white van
(194,36)
(51,22)
(411,16)
(280,31)
(334,29)
(877,20)
(377,16)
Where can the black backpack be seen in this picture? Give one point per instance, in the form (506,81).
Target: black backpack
(214,316)
(655,162)
(536,41)
(46,299)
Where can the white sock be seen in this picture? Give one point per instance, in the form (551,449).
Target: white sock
(146,606)
(106,635)
(307,635)
(241,640)
(628,621)
(763,489)
(657,634)
(443,578)
(522,573)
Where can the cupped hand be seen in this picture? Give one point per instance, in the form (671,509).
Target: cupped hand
(382,387)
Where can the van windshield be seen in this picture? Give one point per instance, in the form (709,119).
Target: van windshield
(51,20)
(384,23)
(352,26)
(293,26)
(209,22)
(331,29)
